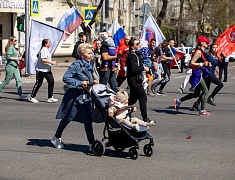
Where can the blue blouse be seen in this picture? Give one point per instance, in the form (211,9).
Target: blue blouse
(213,61)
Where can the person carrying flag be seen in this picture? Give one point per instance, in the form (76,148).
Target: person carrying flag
(167,57)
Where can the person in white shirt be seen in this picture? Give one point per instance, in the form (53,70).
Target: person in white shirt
(183,49)
(43,70)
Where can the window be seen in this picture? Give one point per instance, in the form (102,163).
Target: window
(111,3)
(121,5)
(124,5)
(97,2)
(49,21)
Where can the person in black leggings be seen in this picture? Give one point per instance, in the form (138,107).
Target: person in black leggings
(213,59)
(135,66)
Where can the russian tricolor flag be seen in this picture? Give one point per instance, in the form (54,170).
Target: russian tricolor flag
(69,22)
(117,33)
(177,53)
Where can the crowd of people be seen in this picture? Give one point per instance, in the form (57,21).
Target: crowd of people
(142,64)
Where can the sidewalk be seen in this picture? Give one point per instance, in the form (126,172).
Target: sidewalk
(58,72)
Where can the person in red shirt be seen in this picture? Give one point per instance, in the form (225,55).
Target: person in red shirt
(122,53)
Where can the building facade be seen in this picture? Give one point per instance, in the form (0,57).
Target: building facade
(127,12)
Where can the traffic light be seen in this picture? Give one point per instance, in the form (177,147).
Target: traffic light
(20,23)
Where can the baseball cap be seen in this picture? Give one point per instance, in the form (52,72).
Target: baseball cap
(201,39)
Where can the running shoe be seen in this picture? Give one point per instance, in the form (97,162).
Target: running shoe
(195,107)
(210,100)
(161,93)
(33,100)
(177,103)
(52,100)
(181,90)
(204,113)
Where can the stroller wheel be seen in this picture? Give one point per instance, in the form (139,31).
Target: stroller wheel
(133,153)
(119,149)
(98,148)
(148,150)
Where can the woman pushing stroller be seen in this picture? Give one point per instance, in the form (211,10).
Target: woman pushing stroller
(76,104)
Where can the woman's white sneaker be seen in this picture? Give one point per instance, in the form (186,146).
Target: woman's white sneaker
(33,100)
(52,100)
(57,142)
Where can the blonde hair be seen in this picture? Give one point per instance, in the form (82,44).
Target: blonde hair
(82,48)
(10,42)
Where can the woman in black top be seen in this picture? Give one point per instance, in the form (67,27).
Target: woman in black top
(135,66)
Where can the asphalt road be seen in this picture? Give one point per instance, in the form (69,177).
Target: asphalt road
(27,154)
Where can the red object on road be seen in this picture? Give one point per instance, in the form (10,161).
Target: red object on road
(189,137)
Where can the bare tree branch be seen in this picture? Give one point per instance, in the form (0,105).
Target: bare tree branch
(69,3)
(162,13)
(96,12)
(191,7)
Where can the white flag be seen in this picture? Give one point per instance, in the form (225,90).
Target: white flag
(40,31)
(151,30)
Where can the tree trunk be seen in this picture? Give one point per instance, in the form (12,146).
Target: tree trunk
(162,13)
(180,21)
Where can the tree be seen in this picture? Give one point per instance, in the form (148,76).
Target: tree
(180,21)
(162,13)
(212,13)
(197,8)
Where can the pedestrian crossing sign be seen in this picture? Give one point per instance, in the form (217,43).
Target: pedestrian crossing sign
(34,8)
(88,12)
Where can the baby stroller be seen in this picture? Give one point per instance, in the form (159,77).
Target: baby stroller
(118,136)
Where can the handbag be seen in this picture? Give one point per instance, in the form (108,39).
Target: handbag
(139,77)
(21,64)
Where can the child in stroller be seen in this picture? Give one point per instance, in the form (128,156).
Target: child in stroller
(118,136)
(118,107)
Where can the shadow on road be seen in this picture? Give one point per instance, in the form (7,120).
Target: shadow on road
(47,143)
(171,110)
(76,147)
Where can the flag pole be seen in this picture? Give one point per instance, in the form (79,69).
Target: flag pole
(175,59)
(70,34)
(86,24)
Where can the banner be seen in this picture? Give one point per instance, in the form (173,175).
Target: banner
(38,32)
(70,21)
(151,30)
(226,41)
